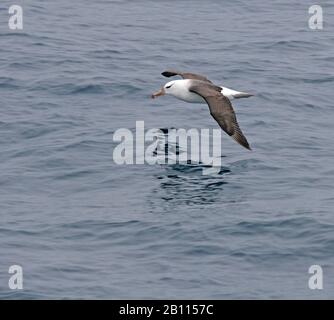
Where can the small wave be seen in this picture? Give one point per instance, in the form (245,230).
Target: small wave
(89,89)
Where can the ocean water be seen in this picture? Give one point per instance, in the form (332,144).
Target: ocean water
(82,226)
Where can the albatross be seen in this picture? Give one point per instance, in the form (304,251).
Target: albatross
(196,88)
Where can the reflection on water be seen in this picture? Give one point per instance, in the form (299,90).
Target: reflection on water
(187,146)
(184,183)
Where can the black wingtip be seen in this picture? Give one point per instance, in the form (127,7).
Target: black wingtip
(241,139)
(246,145)
(168,74)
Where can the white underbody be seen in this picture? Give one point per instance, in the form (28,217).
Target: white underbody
(180,91)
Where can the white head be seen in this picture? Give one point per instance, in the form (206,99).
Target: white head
(171,87)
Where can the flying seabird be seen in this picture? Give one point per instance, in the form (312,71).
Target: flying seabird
(198,89)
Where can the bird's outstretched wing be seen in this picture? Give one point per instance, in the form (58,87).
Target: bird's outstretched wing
(221,110)
(185,75)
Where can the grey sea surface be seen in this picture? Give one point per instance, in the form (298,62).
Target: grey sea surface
(82,226)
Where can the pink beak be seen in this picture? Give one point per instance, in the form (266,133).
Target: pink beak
(159,93)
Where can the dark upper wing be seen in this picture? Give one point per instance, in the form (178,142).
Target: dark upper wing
(185,75)
(221,110)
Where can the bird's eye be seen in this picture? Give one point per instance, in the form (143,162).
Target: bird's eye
(169,86)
